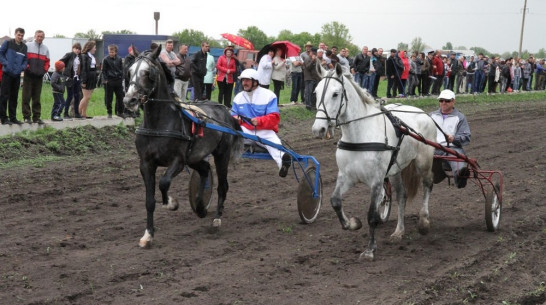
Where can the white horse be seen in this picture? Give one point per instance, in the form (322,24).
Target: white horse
(370,151)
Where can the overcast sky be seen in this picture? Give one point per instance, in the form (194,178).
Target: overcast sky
(492,24)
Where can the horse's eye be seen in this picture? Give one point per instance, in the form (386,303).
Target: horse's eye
(335,94)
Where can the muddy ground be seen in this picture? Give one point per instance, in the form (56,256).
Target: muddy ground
(70,230)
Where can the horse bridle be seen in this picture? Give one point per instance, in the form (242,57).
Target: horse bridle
(343,98)
(322,107)
(152,75)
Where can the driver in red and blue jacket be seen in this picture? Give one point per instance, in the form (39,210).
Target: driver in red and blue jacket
(257,111)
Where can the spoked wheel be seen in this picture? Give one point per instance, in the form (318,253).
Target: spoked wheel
(309,206)
(493,208)
(193,189)
(384,208)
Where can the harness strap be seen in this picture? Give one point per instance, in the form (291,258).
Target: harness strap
(162,133)
(369,146)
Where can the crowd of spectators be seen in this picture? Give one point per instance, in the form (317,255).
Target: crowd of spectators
(408,74)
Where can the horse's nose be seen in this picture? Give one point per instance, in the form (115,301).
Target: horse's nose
(129,101)
(318,131)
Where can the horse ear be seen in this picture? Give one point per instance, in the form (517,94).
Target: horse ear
(156,52)
(339,70)
(320,70)
(135,51)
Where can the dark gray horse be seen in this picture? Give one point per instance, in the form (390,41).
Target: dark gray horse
(169,139)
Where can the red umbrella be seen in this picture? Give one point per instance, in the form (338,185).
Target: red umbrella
(289,49)
(238,40)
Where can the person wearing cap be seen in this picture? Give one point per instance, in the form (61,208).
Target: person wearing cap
(258,114)
(305,55)
(311,78)
(454,133)
(58,84)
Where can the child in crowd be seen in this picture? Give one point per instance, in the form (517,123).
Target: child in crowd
(58,85)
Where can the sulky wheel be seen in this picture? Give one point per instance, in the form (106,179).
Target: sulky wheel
(309,206)
(493,207)
(384,208)
(193,188)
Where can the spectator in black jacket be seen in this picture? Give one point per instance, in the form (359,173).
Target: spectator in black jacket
(112,75)
(361,66)
(394,70)
(72,61)
(379,70)
(198,70)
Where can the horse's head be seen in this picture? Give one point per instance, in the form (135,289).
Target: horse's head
(331,101)
(145,79)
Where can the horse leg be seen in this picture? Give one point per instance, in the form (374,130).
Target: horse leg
(222,163)
(401,198)
(342,185)
(424,222)
(165,183)
(148,174)
(203,168)
(373,220)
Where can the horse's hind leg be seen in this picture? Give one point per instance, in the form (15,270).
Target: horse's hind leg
(165,183)
(342,185)
(424,222)
(222,162)
(148,174)
(203,168)
(401,198)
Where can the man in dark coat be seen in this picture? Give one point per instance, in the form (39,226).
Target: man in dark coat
(199,69)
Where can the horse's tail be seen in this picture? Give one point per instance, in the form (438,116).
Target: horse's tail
(411,180)
(237,145)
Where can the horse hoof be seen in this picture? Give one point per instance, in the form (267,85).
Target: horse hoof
(146,241)
(173,204)
(145,244)
(395,238)
(367,255)
(424,226)
(355,224)
(217,222)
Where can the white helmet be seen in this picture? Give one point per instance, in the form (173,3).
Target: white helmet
(250,74)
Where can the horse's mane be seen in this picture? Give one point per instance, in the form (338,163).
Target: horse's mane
(148,55)
(365,97)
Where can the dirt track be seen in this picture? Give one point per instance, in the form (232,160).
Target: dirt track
(69,233)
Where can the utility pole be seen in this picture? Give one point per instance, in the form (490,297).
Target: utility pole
(522,25)
(156,18)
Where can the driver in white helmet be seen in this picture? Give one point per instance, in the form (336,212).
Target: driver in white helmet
(257,111)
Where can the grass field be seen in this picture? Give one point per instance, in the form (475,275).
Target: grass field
(97,106)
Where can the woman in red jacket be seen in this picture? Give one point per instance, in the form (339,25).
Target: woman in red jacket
(226,68)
